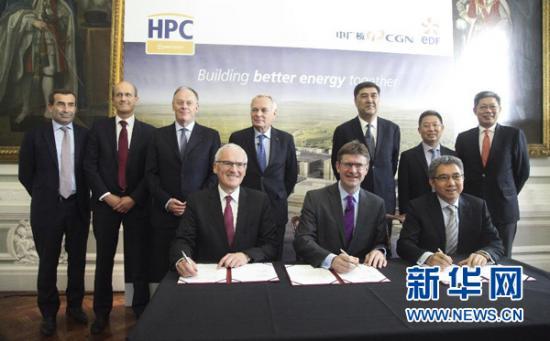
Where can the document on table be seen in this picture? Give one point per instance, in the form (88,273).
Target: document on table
(255,272)
(207,273)
(308,275)
(210,273)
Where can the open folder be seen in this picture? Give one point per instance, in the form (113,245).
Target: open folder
(308,275)
(210,273)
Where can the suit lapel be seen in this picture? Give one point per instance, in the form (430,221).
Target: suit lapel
(436,216)
(242,218)
(335,204)
(194,139)
(77,143)
(217,215)
(250,147)
(358,130)
(380,130)
(172,136)
(361,224)
(274,144)
(464,212)
(111,133)
(421,158)
(494,146)
(50,143)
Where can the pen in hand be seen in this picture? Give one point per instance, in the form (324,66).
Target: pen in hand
(345,253)
(185,257)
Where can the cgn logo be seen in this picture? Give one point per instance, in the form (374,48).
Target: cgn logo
(170,34)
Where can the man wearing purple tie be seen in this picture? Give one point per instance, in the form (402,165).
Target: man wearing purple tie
(343,223)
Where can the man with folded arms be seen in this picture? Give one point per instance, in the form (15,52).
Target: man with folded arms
(343,223)
(229,225)
(446,223)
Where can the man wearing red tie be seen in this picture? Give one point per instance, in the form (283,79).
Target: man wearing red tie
(114,166)
(496,165)
(229,225)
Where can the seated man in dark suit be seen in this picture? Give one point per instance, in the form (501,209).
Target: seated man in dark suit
(230,225)
(343,222)
(434,231)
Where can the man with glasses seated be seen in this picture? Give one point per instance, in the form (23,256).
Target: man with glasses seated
(342,223)
(441,225)
(229,225)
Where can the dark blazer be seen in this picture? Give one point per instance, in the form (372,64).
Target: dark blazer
(39,172)
(101,162)
(500,182)
(281,173)
(321,228)
(383,166)
(201,233)
(424,228)
(164,167)
(412,176)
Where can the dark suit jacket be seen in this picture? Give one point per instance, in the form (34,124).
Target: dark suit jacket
(383,166)
(424,228)
(500,182)
(101,161)
(281,173)
(201,233)
(164,166)
(321,228)
(412,176)
(39,172)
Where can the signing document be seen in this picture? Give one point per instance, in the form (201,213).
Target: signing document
(308,275)
(210,273)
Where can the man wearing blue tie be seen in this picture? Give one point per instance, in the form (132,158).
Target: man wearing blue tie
(273,167)
(342,223)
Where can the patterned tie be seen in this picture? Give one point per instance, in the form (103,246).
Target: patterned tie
(66,168)
(122,155)
(349,215)
(261,152)
(485,147)
(228,220)
(451,231)
(183,142)
(434,154)
(369,141)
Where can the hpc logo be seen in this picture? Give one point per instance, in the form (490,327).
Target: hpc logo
(170,34)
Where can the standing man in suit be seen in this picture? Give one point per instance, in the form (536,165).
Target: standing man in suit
(496,165)
(382,138)
(230,225)
(50,168)
(273,168)
(413,165)
(179,162)
(115,167)
(342,222)
(447,223)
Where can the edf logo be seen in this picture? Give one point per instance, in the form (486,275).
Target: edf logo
(170,33)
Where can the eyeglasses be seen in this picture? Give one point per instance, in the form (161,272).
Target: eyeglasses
(230,164)
(447,177)
(349,165)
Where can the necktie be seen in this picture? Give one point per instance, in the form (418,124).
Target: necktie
(228,220)
(261,152)
(183,142)
(349,215)
(434,154)
(369,141)
(122,155)
(451,231)
(66,167)
(485,147)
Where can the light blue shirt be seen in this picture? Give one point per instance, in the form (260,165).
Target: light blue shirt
(428,154)
(58,135)
(267,145)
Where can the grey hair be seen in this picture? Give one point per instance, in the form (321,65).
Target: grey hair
(230,146)
(444,160)
(273,103)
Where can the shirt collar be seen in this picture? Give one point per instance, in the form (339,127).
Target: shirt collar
(266,134)
(189,127)
(428,148)
(344,194)
(491,129)
(234,195)
(57,126)
(130,120)
(444,204)
(364,123)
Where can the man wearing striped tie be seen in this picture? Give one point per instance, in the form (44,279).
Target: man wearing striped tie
(496,165)
(447,225)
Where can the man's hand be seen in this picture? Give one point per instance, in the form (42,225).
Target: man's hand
(176,207)
(439,259)
(344,263)
(475,259)
(187,268)
(233,260)
(125,204)
(376,258)
(112,200)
